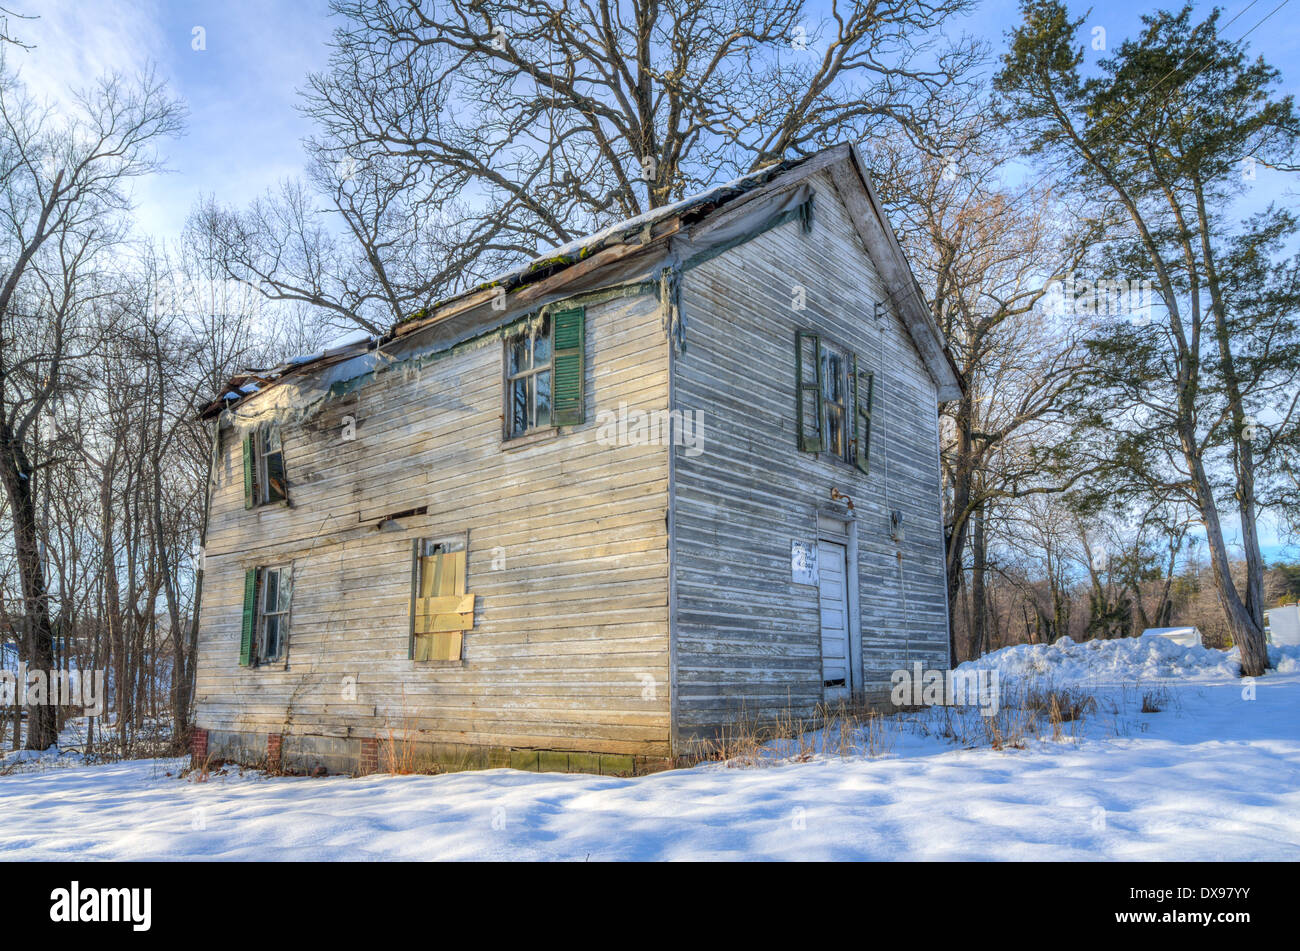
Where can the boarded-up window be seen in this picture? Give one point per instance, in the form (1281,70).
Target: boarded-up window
(441,610)
(835,410)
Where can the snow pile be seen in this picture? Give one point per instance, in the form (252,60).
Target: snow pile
(1123,660)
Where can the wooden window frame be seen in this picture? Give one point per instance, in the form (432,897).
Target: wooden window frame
(264,456)
(263,613)
(253,640)
(854,408)
(842,409)
(543,329)
(258,483)
(418,545)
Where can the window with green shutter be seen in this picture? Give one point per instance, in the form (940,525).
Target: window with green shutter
(268,593)
(864,391)
(544,374)
(808,388)
(833,400)
(250,617)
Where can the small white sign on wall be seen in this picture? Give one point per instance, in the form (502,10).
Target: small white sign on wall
(803,562)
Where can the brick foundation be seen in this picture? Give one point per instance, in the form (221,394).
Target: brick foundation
(198,746)
(369,761)
(274,743)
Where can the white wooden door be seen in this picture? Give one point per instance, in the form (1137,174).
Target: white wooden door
(831,564)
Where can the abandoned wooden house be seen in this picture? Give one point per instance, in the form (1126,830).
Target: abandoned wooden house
(677,473)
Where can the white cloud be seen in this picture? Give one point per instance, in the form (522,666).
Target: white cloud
(76,42)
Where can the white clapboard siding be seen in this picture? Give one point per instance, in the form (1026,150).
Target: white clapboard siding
(594,630)
(746,640)
(567,626)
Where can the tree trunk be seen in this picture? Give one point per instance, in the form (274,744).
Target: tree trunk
(42,732)
(979,600)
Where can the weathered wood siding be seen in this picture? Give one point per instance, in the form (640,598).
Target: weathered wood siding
(745,637)
(570,622)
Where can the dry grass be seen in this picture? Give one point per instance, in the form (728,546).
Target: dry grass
(1155,699)
(400,755)
(844,729)
(1027,712)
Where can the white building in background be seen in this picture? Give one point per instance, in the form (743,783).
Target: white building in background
(1283,625)
(1187,636)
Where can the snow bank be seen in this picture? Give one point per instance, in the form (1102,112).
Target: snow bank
(1123,660)
(1210,778)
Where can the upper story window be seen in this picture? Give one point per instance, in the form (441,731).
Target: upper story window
(528,381)
(835,412)
(264,479)
(544,374)
(833,400)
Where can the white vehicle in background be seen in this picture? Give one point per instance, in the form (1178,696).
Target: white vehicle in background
(1187,636)
(1283,625)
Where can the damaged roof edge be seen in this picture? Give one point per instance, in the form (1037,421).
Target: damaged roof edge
(594,252)
(906,291)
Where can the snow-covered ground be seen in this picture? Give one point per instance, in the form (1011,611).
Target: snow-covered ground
(1213,775)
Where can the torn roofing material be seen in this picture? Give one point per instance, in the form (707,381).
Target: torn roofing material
(633,250)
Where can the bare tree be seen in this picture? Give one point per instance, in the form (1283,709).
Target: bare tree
(459,136)
(987,261)
(5,35)
(62,195)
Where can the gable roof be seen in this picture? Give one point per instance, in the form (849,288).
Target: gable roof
(637,250)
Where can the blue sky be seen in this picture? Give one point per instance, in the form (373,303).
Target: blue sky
(244,131)
(245,134)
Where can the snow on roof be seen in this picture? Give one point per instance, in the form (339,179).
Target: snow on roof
(581,248)
(535,268)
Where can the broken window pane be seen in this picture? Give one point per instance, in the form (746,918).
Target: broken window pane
(519,361)
(542,405)
(834,366)
(528,381)
(519,406)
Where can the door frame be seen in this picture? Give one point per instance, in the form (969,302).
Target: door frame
(840,526)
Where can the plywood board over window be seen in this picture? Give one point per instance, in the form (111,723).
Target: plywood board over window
(441,608)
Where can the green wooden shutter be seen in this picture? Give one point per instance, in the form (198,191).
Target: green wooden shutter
(567,336)
(250,618)
(864,386)
(808,390)
(248,470)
